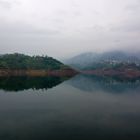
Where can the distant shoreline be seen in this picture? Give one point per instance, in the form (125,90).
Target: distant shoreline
(127,73)
(69,72)
(34,72)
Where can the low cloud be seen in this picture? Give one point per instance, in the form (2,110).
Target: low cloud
(65,28)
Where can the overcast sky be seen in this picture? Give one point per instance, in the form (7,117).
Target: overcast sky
(64,28)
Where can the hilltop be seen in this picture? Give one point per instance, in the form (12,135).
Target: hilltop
(21,61)
(20,64)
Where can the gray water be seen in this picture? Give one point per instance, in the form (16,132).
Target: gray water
(80,108)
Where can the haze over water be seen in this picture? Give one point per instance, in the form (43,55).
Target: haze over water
(82,107)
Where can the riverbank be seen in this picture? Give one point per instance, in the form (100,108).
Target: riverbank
(126,73)
(33,72)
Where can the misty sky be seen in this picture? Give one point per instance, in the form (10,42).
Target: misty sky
(64,28)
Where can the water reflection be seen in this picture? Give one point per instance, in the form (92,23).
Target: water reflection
(108,84)
(81,108)
(24,83)
(83,82)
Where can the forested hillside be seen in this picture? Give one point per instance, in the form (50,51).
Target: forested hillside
(21,61)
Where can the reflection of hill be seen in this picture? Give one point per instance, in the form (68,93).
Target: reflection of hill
(108,84)
(22,83)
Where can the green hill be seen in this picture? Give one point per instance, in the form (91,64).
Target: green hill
(21,61)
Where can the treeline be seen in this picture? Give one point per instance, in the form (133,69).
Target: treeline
(21,61)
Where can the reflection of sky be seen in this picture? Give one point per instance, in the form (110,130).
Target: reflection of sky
(67,112)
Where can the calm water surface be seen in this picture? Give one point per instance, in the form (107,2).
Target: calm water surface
(79,108)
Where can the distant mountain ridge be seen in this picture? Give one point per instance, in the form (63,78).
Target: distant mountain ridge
(91,60)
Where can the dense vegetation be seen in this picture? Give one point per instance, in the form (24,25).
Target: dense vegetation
(21,61)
